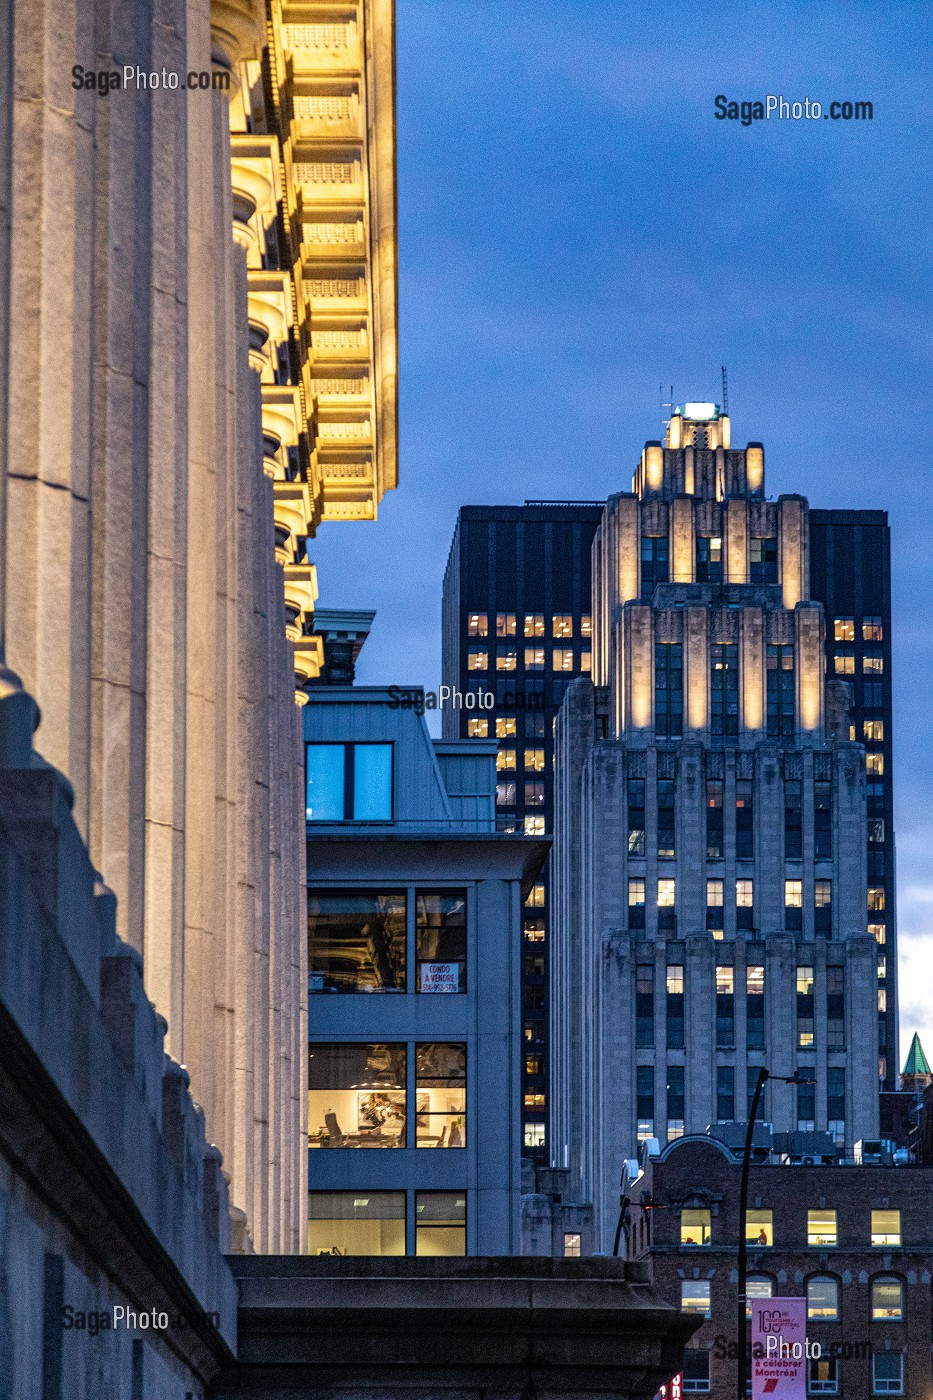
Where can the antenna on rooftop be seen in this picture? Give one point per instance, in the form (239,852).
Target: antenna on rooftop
(725,392)
(669,403)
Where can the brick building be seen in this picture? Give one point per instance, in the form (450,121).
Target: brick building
(856,1241)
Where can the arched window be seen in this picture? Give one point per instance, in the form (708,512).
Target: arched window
(757,1286)
(823,1298)
(887,1300)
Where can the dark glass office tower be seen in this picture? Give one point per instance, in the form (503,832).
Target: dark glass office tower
(516,622)
(850,574)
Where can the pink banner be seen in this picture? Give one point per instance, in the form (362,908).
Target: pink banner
(779,1348)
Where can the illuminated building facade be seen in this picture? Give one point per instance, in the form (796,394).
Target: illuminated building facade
(516,624)
(197,366)
(710,908)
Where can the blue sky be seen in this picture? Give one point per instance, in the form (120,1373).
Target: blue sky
(576,227)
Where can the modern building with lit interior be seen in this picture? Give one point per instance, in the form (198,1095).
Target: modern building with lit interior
(414,946)
(710,899)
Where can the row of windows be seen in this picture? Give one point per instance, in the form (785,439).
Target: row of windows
(844,663)
(844,629)
(655,560)
(744,818)
(358,1095)
(666,900)
(506,625)
(507,791)
(533,759)
(358,941)
(726,1099)
(374,1222)
(822,1227)
(823,1373)
(534,659)
(533,726)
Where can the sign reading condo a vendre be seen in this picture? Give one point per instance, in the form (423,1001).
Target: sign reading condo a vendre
(779,1348)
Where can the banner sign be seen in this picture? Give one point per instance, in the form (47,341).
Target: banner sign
(674,1389)
(440,977)
(779,1348)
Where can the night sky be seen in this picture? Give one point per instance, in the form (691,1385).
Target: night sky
(576,228)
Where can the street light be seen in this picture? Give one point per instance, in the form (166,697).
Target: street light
(763,1074)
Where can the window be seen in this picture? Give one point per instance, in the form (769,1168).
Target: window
(757,1286)
(724,689)
(534,793)
(725,1094)
(477,660)
(823,1376)
(821,1227)
(887,1369)
(356,1095)
(586,625)
(805,1011)
(571,1245)
(886,1227)
(675,1102)
(823,907)
(356,941)
(872,662)
(874,764)
(744,904)
(836,1103)
(674,1018)
(755,1007)
(887,1300)
(793,904)
(356,1222)
(505,759)
(876,897)
(873,731)
(534,760)
(534,930)
(666,818)
(636,902)
(562,658)
(667,897)
(668,690)
(694,1227)
(534,826)
(725,1008)
(876,831)
(759,1228)
(762,559)
(781,690)
(440,1095)
(534,658)
(806,1102)
(822,1294)
(562,625)
(709,559)
(793,819)
(714,921)
(695,1296)
(744,820)
(440,1223)
(506,658)
(714,824)
(844,663)
(535,899)
(654,563)
(823,820)
(349,782)
(534,1135)
(644,1003)
(505,727)
(872,630)
(644,1101)
(477,728)
(695,1376)
(844,629)
(878,932)
(505,794)
(534,1100)
(505,624)
(477,625)
(636,816)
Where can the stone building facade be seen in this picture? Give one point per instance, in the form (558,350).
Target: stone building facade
(709,879)
(197,365)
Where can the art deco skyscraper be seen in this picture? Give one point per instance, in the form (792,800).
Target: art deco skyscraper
(709,866)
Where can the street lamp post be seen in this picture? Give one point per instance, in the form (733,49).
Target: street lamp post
(741,1324)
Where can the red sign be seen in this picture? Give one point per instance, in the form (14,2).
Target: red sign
(674,1390)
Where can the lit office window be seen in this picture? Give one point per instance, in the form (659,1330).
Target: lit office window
(441,940)
(356,1222)
(534,658)
(356,1095)
(744,905)
(874,764)
(886,1227)
(477,660)
(562,625)
(823,907)
(586,625)
(844,663)
(805,1007)
(440,1224)
(695,1296)
(534,826)
(873,731)
(505,759)
(887,1300)
(793,904)
(571,1245)
(534,930)
(562,658)
(356,941)
(535,898)
(636,902)
(505,727)
(695,1227)
(823,1291)
(872,662)
(477,625)
(878,932)
(876,897)
(477,728)
(759,1228)
(534,624)
(534,1135)
(348,782)
(534,760)
(506,658)
(667,890)
(714,907)
(755,1007)
(844,629)
(872,630)
(505,624)
(440,1095)
(821,1227)
(586,662)
(757,1286)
